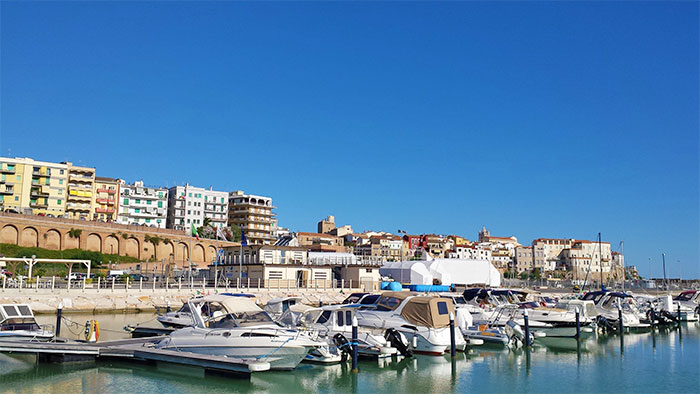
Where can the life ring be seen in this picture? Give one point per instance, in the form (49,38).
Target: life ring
(92,330)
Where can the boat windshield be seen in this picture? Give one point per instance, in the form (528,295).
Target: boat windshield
(241,319)
(185,308)
(19,323)
(685,296)
(309,318)
(529,305)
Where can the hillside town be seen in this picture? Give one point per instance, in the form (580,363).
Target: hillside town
(66,190)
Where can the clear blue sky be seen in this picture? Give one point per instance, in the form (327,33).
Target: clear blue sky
(535,119)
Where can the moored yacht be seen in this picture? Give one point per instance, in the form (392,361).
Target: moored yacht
(237,327)
(423,320)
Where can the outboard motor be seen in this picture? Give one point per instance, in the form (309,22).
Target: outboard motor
(670,317)
(605,324)
(394,338)
(515,333)
(343,345)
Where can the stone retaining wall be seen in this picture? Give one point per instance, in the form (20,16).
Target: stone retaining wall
(76,301)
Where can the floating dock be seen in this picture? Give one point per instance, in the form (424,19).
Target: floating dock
(138,349)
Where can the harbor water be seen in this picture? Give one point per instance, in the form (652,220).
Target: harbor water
(667,361)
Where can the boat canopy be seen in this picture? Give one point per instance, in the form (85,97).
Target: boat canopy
(433,312)
(391,300)
(232,304)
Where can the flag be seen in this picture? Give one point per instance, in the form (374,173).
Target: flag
(195,233)
(244,240)
(220,234)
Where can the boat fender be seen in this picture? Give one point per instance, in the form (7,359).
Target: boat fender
(394,338)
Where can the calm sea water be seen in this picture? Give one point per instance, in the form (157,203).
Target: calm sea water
(666,362)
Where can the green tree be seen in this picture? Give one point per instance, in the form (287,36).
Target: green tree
(155,241)
(75,232)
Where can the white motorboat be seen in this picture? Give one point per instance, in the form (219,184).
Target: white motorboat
(424,320)
(18,324)
(237,327)
(183,316)
(333,324)
(608,304)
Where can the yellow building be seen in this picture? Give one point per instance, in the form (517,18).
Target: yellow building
(33,187)
(80,201)
(105,199)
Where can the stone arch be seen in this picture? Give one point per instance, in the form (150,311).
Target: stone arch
(9,235)
(30,237)
(211,253)
(198,253)
(132,247)
(181,252)
(52,239)
(70,242)
(111,245)
(94,242)
(164,251)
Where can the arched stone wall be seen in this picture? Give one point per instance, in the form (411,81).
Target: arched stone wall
(111,245)
(9,235)
(30,237)
(181,252)
(197,253)
(132,247)
(164,251)
(52,239)
(211,253)
(94,242)
(70,242)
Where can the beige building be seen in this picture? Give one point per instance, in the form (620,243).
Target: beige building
(80,200)
(106,199)
(321,242)
(585,257)
(523,259)
(33,187)
(326,225)
(253,214)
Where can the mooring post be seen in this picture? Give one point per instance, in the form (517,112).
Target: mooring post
(140,284)
(679,313)
(53,283)
(354,344)
(167,279)
(98,284)
(653,317)
(578,323)
(114,278)
(126,286)
(621,324)
(4,280)
(154,283)
(453,341)
(59,312)
(320,302)
(527,328)
(167,306)
(179,283)
(84,281)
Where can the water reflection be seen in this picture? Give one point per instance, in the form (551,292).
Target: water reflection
(664,361)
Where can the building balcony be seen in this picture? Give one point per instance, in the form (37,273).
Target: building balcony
(251,220)
(77,208)
(6,170)
(104,210)
(5,191)
(105,201)
(80,186)
(80,178)
(146,214)
(78,197)
(39,204)
(110,191)
(258,212)
(39,193)
(248,204)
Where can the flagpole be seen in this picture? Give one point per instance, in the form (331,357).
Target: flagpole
(240,265)
(216,263)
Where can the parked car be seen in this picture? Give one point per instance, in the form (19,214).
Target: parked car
(10,210)
(137,277)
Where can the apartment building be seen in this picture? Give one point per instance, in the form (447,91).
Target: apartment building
(589,258)
(382,248)
(189,205)
(106,199)
(33,187)
(141,205)
(81,183)
(253,214)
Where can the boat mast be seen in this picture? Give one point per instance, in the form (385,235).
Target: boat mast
(600,259)
(624,273)
(663,258)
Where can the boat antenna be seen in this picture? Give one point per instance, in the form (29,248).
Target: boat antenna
(624,273)
(663,258)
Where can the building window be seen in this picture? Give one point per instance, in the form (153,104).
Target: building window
(137,210)
(58,202)
(190,194)
(160,204)
(19,177)
(148,202)
(126,201)
(148,220)
(138,201)
(60,181)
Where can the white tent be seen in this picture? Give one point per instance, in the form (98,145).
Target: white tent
(448,271)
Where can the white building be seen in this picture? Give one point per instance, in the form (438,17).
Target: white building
(141,205)
(253,214)
(471,252)
(190,205)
